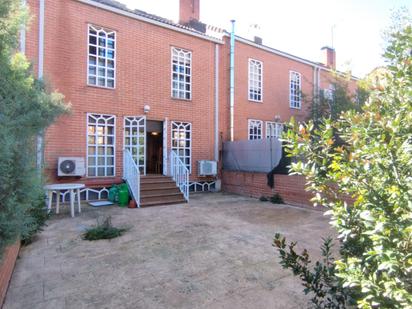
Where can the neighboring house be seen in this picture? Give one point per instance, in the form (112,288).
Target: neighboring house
(143,83)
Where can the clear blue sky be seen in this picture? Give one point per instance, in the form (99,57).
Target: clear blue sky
(301,27)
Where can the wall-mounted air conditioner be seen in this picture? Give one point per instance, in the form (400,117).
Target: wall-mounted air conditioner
(71,166)
(207,168)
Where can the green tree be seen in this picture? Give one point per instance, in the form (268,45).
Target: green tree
(338,98)
(366,181)
(26,108)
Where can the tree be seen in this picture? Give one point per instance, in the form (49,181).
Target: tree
(366,182)
(26,108)
(337,98)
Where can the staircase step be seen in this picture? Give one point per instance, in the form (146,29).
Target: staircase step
(154,176)
(161,197)
(156,180)
(163,201)
(157,186)
(158,192)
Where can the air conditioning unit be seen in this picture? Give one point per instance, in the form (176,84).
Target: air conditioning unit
(71,166)
(207,168)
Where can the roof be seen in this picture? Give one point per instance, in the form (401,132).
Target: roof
(138,13)
(290,56)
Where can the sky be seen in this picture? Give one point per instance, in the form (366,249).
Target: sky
(300,27)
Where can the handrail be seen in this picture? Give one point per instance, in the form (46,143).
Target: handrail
(180,174)
(131,175)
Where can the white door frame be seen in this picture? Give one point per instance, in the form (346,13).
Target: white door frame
(144,139)
(165,148)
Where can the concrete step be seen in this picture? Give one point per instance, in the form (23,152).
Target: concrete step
(154,176)
(156,180)
(168,200)
(161,197)
(158,192)
(157,186)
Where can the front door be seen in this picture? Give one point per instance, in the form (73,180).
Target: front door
(154,147)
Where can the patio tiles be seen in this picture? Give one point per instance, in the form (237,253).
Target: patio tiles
(215,252)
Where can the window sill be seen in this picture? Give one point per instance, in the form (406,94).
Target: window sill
(255,101)
(101,87)
(179,99)
(297,108)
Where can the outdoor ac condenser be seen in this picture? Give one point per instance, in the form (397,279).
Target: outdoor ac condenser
(71,166)
(207,168)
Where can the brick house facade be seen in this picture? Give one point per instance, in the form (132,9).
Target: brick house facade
(117,66)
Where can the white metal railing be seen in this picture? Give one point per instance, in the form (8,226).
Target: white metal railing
(180,174)
(131,175)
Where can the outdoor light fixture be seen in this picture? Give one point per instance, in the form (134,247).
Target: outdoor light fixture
(146,109)
(277,118)
(155,133)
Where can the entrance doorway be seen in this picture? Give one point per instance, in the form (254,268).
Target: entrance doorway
(154,147)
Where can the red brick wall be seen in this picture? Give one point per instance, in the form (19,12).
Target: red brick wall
(275,88)
(6,268)
(290,188)
(142,77)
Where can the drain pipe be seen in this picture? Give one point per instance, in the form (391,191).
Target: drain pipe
(23,32)
(232,80)
(216,102)
(39,150)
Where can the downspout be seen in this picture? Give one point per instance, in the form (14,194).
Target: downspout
(315,87)
(23,33)
(216,102)
(39,150)
(232,81)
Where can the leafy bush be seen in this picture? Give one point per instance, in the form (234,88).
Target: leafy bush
(276,199)
(26,109)
(319,280)
(104,230)
(36,218)
(372,167)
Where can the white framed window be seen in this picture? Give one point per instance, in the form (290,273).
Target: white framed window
(101,59)
(182,142)
(135,139)
(255,80)
(329,93)
(273,129)
(255,128)
(101,144)
(295,89)
(181,74)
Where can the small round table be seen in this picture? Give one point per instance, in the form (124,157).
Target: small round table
(71,187)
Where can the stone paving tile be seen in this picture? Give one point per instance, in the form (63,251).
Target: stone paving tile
(215,252)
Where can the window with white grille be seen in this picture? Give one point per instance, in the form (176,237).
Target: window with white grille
(101,145)
(182,142)
(181,74)
(101,59)
(135,139)
(255,129)
(295,89)
(273,129)
(255,80)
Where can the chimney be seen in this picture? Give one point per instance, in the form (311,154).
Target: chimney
(329,57)
(258,40)
(189,10)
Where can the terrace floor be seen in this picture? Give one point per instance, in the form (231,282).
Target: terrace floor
(215,252)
